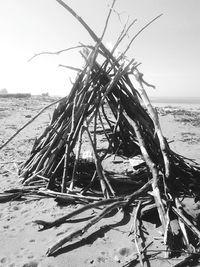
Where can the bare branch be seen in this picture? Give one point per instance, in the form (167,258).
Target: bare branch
(60,51)
(107,20)
(70,67)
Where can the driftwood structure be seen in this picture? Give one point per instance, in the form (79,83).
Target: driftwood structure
(110,116)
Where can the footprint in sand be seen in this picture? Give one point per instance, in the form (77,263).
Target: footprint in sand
(31,264)
(24,210)
(46,263)
(3,260)
(30,257)
(15,208)
(61,232)
(6,226)
(28,223)
(100,259)
(123,254)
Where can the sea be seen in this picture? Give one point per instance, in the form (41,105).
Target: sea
(189,103)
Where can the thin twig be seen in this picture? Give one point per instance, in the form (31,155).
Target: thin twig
(60,51)
(70,67)
(138,33)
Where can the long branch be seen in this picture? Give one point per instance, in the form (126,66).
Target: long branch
(80,231)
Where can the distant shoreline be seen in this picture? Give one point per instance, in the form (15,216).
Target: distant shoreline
(17,95)
(178,100)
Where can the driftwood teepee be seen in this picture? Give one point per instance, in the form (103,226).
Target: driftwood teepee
(106,112)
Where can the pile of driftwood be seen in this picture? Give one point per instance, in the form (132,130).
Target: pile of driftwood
(107,120)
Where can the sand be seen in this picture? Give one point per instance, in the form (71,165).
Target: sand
(106,244)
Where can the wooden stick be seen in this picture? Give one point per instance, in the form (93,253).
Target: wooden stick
(64,218)
(154,171)
(103,127)
(99,168)
(154,116)
(136,234)
(65,169)
(69,67)
(90,184)
(80,231)
(76,158)
(74,195)
(122,35)
(129,199)
(107,20)
(133,227)
(95,124)
(181,224)
(60,51)
(68,148)
(186,222)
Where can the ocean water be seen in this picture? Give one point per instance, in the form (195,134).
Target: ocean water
(189,103)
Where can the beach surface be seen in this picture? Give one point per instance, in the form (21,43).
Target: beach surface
(109,242)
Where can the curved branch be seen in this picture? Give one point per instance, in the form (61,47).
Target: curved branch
(60,51)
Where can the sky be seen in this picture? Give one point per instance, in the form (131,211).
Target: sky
(168,49)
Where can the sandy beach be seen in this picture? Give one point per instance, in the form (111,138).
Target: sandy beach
(108,243)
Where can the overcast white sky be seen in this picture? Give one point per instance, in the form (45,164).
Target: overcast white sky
(168,49)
